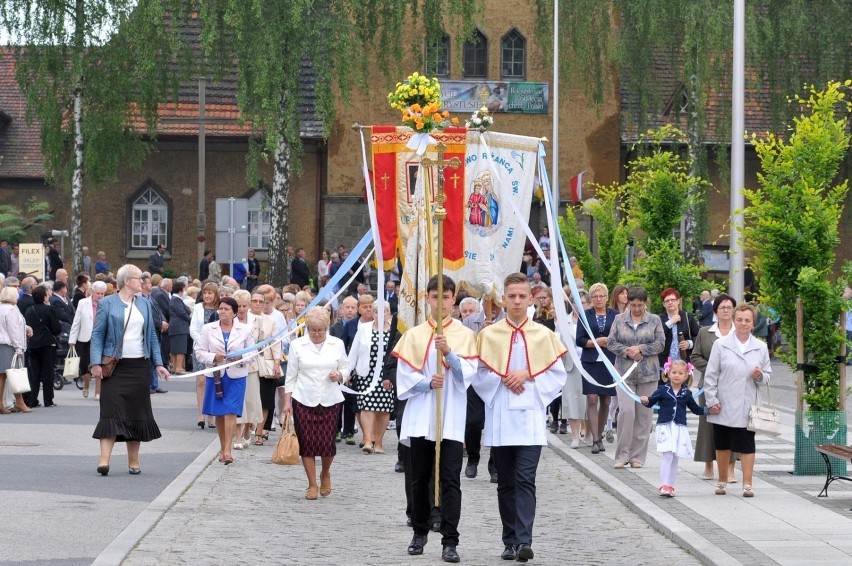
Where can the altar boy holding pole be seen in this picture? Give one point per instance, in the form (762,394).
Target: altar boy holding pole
(417,381)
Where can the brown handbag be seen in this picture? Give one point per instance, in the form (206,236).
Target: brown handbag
(108,363)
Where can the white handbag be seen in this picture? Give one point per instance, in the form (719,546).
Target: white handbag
(72,364)
(763,419)
(17,377)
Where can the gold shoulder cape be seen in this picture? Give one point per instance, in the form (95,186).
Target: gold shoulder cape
(543,347)
(413,346)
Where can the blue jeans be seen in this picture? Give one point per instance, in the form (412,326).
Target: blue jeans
(516,469)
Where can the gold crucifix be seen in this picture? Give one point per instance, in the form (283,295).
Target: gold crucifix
(385,178)
(440,216)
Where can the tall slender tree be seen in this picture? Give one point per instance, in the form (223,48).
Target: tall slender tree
(276,43)
(89,72)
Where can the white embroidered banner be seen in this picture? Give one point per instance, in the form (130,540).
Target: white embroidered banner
(498,168)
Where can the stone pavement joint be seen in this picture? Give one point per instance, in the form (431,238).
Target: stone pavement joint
(121,546)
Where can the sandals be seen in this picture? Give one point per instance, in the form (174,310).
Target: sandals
(311,493)
(748,491)
(258,439)
(325,486)
(720,489)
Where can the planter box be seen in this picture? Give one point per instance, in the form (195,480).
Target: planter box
(812,429)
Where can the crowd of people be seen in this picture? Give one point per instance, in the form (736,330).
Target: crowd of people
(500,370)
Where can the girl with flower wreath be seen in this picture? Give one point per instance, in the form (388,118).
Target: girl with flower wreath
(673,441)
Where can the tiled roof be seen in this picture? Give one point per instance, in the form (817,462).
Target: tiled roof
(717,127)
(221,94)
(20,144)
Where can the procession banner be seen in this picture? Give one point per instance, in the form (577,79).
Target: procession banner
(405,194)
(496,172)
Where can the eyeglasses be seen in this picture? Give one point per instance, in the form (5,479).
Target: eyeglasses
(139,278)
(261,301)
(670,300)
(725,308)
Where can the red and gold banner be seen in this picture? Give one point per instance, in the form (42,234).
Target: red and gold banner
(387,146)
(396,170)
(455,140)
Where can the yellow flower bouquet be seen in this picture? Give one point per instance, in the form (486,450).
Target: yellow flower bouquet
(418,98)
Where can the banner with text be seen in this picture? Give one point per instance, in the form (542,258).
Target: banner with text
(498,96)
(498,168)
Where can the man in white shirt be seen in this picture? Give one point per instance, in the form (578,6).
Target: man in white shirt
(417,379)
(520,373)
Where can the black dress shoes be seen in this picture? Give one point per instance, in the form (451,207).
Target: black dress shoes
(470,471)
(508,552)
(494,478)
(103,470)
(134,471)
(449,554)
(524,552)
(417,544)
(398,468)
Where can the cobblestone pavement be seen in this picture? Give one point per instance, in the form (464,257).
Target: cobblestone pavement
(254,512)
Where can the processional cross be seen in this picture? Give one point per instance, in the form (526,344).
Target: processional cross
(440,215)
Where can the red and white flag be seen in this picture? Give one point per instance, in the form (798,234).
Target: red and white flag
(577,188)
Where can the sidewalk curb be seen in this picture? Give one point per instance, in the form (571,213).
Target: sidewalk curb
(115,553)
(685,537)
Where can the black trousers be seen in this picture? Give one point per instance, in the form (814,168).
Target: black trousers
(474,423)
(346,420)
(403,454)
(516,469)
(422,464)
(40,362)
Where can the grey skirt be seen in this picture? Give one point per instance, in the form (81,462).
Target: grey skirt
(7,352)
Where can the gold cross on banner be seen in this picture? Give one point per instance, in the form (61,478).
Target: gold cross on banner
(385,178)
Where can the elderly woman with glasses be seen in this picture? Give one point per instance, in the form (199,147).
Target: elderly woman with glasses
(124,329)
(225,389)
(317,364)
(636,336)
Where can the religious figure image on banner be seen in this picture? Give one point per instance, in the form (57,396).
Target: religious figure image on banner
(499,168)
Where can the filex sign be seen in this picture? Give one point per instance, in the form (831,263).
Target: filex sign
(31,259)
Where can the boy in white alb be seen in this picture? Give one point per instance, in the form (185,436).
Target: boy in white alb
(520,373)
(416,382)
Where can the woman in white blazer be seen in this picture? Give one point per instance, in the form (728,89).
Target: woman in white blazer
(225,390)
(80,337)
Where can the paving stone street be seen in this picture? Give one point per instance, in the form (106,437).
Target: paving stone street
(254,512)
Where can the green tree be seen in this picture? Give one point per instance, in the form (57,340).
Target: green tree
(273,42)
(88,71)
(657,191)
(613,234)
(792,225)
(789,41)
(16,225)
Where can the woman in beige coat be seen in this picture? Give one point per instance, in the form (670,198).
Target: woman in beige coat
(635,336)
(738,363)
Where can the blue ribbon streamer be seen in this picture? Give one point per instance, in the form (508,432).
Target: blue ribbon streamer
(354,256)
(548,194)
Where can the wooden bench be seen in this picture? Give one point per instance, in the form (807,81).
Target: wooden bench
(836,451)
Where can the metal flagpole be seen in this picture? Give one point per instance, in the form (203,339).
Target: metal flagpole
(440,215)
(737,261)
